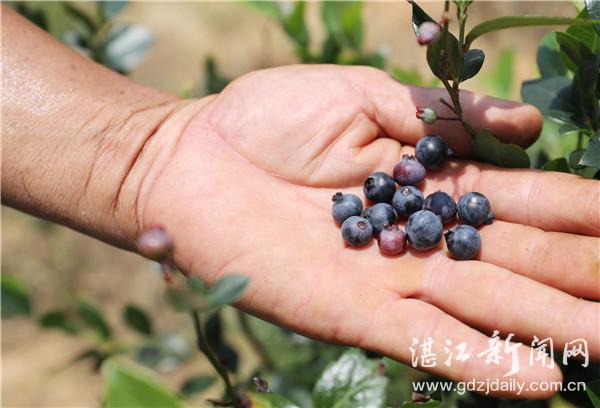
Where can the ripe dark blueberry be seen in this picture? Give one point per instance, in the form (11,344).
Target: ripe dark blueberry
(409,172)
(407,200)
(475,209)
(380,215)
(432,151)
(155,243)
(357,231)
(424,230)
(441,204)
(380,187)
(391,240)
(345,206)
(463,242)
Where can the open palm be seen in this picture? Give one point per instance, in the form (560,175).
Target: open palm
(247,189)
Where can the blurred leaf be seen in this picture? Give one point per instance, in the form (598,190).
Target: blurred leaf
(591,157)
(549,95)
(409,77)
(549,61)
(573,51)
(15,297)
(343,22)
(500,79)
(560,164)
(108,9)
(501,23)
(92,316)
(226,290)
(593,389)
(419,16)
(428,404)
(80,17)
(185,300)
(575,158)
(491,150)
(593,10)
(269,400)
(455,61)
(214,82)
(330,50)
(125,46)
(95,355)
(36,16)
(196,285)
(196,384)
(137,319)
(59,319)
(295,25)
(473,61)
(351,381)
(128,386)
(270,8)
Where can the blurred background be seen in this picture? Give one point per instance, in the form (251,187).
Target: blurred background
(54,365)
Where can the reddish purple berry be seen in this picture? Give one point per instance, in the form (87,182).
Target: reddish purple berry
(391,240)
(155,243)
(409,171)
(428,33)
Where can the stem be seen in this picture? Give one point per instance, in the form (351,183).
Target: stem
(447,105)
(448,118)
(205,349)
(258,346)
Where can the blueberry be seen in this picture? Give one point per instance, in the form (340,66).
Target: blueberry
(380,215)
(409,172)
(380,187)
(441,204)
(407,200)
(424,230)
(391,240)
(357,231)
(431,151)
(475,209)
(463,242)
(345,206)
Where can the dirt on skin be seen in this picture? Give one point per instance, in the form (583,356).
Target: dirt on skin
(59,264)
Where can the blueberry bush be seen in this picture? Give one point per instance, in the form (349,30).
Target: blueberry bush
(294,370)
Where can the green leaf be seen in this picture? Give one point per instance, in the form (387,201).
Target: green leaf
(214,81)
(548,58)
(295,26)
(343,21)
(125,46)
(196,384)
(502,23)
(575,157)
(573,51)
(270,8)
(419,16)
(84,20)
(592,8)
(185,300)
(591,157)
(552,96)
(15,297)
(455,61)
(491,150)
(129,385)
(593,392)
(584,91)
(59,319)
(560,164)
(587,35)
(473,62)
(226,290)
(269,400)
(137,319)
(108,9)
(351,381)
(92,316)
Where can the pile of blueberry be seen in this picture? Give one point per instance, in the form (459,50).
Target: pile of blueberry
(426,215)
